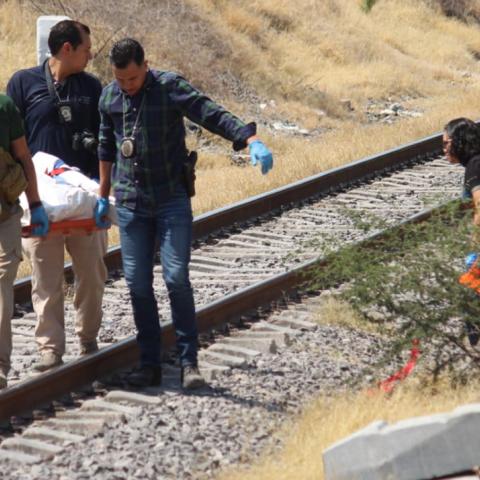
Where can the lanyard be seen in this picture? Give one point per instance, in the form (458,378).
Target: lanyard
(51,87)
(135,125)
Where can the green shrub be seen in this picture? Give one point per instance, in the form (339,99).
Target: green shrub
(408,284)
(367,5)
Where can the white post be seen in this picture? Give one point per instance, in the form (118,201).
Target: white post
(44,25)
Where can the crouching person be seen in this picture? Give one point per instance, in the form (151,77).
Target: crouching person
(14,154)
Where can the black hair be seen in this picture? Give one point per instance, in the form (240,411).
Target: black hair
(66,31)
(125,51)
(465,136)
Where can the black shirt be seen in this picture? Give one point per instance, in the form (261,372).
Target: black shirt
(472,176)
(44,132)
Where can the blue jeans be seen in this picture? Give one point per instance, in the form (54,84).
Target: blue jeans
(168,226)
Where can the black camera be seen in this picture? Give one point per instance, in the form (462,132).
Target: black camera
(85,140)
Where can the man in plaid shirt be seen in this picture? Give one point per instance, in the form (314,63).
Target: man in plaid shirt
(142,155)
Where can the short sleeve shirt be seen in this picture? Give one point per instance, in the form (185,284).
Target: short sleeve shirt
(472,176)
(44,133)
(11,127)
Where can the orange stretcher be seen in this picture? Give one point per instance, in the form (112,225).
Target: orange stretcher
(66,227)
(471,278)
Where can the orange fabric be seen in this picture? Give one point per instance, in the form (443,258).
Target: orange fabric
(67,227)
(471,278)
(57,171)
(389,384)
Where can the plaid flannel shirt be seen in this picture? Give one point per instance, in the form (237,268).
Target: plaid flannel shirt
(156,168)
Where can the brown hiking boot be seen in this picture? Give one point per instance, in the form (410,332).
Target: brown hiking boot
(88,347)
(47,361)
(147,376)
(191,378)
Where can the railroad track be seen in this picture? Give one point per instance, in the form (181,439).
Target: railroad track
(245,256)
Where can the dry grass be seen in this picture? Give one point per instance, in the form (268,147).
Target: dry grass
(328,420)
(332,47)
(17,44)
(222,183)
(466,10)
(334,311)
(306,56)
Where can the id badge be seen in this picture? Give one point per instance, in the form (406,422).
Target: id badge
(127,148)
(65,113)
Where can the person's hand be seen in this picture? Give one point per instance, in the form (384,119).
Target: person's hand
(39,220)
(100,213)
(470,259)
(260,153)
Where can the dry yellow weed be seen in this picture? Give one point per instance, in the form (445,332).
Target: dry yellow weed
(328,420)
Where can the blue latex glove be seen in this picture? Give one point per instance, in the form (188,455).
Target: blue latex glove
(100,213)
(39,221)
(260,153)
(470,259)
(466,195)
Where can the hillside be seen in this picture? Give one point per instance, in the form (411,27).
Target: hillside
(321,78)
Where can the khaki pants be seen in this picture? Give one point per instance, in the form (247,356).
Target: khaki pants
(47,259)
(10,256)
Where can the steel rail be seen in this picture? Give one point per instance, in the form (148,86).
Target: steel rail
(255,206)
(30,394)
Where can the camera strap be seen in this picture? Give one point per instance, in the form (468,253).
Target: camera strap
(137,118)
(51,88)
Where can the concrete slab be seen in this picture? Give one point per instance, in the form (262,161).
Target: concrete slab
(461,477)
(132,397)
(263,345)
(294,322)
(104,405)
(31,447)
(221,358)
(418,448)
(104,415)
(235,350)
(43,433)
(20,457)
(281,339)
(272,327)
(82,427)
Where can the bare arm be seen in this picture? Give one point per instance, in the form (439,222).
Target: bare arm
(476,207)
(21,153)
(105,175)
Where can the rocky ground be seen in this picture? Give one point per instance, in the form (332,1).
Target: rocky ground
(231,422)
